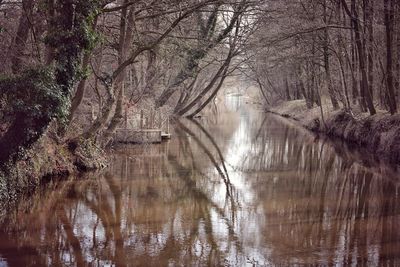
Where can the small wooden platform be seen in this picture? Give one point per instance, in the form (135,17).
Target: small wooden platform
(144,127)
(139,136)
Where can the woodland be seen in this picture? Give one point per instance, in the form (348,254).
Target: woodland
(64,59)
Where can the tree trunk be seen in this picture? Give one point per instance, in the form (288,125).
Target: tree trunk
(21,38)
(49,53)
(212,96)
(361,52)
(261,87)
(397,47)
(328,80)
(196,100)
(388,10)
(287,91)
(343,72)
(192,64)
(370,50)
(80,90)
(125,42)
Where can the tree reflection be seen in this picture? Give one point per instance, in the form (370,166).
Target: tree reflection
(147,210)
(258,193)
(326,208)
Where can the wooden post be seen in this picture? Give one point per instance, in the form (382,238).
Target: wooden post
(126,117)
(159,120)
(141,119)
(151,119)
(92,114)
(168,125)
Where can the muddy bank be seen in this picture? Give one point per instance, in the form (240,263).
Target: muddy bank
(48,159)
(378,134)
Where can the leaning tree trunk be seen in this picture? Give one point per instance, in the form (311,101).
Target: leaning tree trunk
(212,96)
(221,71)
(192,64)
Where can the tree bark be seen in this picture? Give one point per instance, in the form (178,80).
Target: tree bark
(21,38)
(193,62)
(361,52)
(391,97)
(287,91)
(213,94)
(80,90)
(125,43)
(370,45)
(328,80)
(222,70)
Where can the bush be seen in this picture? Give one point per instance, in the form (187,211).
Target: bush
(29,102)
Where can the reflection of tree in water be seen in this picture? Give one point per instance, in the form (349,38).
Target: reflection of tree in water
(321,208)
(151,210)
(180,204)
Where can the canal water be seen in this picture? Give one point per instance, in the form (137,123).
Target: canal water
(235,188)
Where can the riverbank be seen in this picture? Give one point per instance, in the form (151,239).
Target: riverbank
(378,134)
(49,159)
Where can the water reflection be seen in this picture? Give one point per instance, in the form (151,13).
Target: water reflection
(238,188)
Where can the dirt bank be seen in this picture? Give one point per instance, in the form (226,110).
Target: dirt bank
(378,134)
(48,159)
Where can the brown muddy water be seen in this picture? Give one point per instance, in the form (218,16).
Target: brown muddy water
(239,188)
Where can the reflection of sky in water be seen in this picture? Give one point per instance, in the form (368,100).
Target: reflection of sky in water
(249,218)
(172,208)
(2,262)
